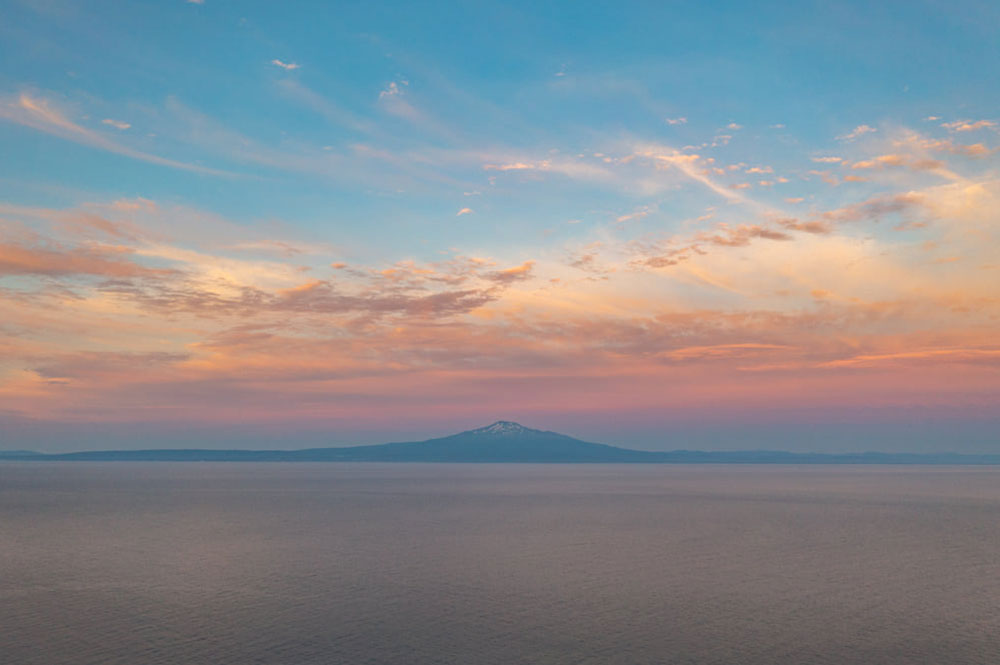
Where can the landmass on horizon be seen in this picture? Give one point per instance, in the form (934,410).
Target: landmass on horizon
(502,442)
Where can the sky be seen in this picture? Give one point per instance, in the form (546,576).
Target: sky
(665,225)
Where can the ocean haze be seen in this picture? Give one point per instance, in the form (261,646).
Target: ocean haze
(437,563)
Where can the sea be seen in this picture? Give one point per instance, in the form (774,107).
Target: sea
(286,563)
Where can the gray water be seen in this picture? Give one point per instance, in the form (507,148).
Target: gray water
(396,563)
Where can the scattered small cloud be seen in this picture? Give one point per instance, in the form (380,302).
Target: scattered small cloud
(826,176)
(879,162)
(968,125)
(635,214)
(118,124)
(392,90)
(886,161)
(676,121)
(285,65)
(464,211)
(733,126)
(975,150)
(515,274)
(828,160)
(860,130)
(514,166)
(740,235)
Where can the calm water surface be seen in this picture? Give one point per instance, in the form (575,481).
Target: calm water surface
(397,563)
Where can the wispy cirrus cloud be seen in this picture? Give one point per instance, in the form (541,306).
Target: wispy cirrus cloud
(39,114)
(324,106)
(687,164)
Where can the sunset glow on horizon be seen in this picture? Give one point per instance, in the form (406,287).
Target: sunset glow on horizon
(275,226)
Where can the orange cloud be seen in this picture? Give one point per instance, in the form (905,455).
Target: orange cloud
(812,226)
(975,356)
(515,274)
(687,316)
(968,125)
(723,351)
(739,236)
(108,261)
(858,131)
(880,162)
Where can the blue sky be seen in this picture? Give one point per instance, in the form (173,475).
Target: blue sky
(576,174)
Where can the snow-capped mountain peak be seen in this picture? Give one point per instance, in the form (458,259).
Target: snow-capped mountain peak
(502,428)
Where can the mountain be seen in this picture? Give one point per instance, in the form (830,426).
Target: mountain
(503,441)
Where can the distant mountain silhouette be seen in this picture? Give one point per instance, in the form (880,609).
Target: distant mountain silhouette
(503,441)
